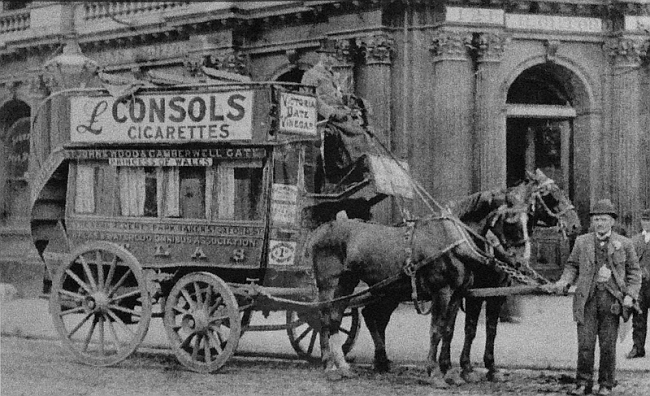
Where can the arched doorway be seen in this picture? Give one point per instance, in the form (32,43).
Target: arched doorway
(548,128)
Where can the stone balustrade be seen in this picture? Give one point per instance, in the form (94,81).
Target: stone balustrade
(101,10)
(14,21)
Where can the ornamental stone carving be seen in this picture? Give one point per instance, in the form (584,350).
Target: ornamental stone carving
(346,52)
(447,45)
(193,63)
(377,49)
(490,46)
(232,62)
(626,51)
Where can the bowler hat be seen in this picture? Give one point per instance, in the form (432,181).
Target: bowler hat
(645,214)
(327,46)
(604,206)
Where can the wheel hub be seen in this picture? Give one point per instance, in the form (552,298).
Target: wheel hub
(197,321)
(98,301)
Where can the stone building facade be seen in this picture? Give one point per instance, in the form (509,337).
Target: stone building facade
(471,92)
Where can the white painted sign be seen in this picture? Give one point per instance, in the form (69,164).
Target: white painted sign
(481,16)
(284,192)
(154,118)
(553,23)
(282,252)
(297,114)
(160,161)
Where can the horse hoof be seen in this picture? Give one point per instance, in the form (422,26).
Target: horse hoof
(438,382)
(348,373)
(453,377)
(495,376)
(470,376)
(382,366)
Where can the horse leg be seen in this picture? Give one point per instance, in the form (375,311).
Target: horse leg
(346,285)
(492,310)
(440,301)
(472,312)
(376,316)
(452,377)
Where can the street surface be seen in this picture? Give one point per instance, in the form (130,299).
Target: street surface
(537,355)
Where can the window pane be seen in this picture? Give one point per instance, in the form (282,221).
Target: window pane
(248,192)
(84,201)
(138,191)
(192,189)
(150,192)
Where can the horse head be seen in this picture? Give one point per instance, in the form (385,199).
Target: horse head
(549,206)
(510,227)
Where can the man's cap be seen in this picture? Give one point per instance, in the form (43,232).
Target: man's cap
(327,46)
(645,214)
(602,207)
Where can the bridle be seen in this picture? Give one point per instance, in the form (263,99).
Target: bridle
(537,197)
(500,215)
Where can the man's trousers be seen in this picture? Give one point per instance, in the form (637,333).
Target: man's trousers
(640,321)
(599,322)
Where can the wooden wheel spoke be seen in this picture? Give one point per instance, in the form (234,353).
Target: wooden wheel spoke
(100,276)
(101,335)
(111,273)
(89,335)
(89,274)
(125,310)
(76,296)
(180,310)
(119,282)
(312,342)
(217,303)
(121,322)
(214,341)
(111,329)
(206,349)
(304,333)
(197,347)
(78,326)
(199,297)
(72,310)
(186,342)
(126,295)
(188,298)
(79,281)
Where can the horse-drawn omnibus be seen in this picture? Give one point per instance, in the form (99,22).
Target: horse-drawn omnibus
(188,203)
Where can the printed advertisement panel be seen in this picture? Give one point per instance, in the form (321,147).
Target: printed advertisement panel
(298,114)
(282,252)
(154,118)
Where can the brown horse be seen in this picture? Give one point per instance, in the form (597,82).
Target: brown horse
(442,255)
(549,208)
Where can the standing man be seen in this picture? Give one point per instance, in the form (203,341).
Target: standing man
(605,269)
(640,321)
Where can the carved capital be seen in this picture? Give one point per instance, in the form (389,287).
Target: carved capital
(345,53)
(625,51)
(193,63)
(377,49)
(38,85)
(450,45)
(230,61)
(490,46)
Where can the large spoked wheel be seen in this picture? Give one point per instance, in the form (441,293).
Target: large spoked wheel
(304,332)
(202,321)
(100,304)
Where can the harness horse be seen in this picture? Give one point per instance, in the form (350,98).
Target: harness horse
(549,207)
(441,255)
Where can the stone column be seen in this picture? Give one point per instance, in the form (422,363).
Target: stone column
(624,136)
(346,56)
(489,131)
(448,117)
(374,85)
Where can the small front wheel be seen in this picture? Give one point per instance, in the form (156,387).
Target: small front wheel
(202,321)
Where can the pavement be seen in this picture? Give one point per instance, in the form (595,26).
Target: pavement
(544,338)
